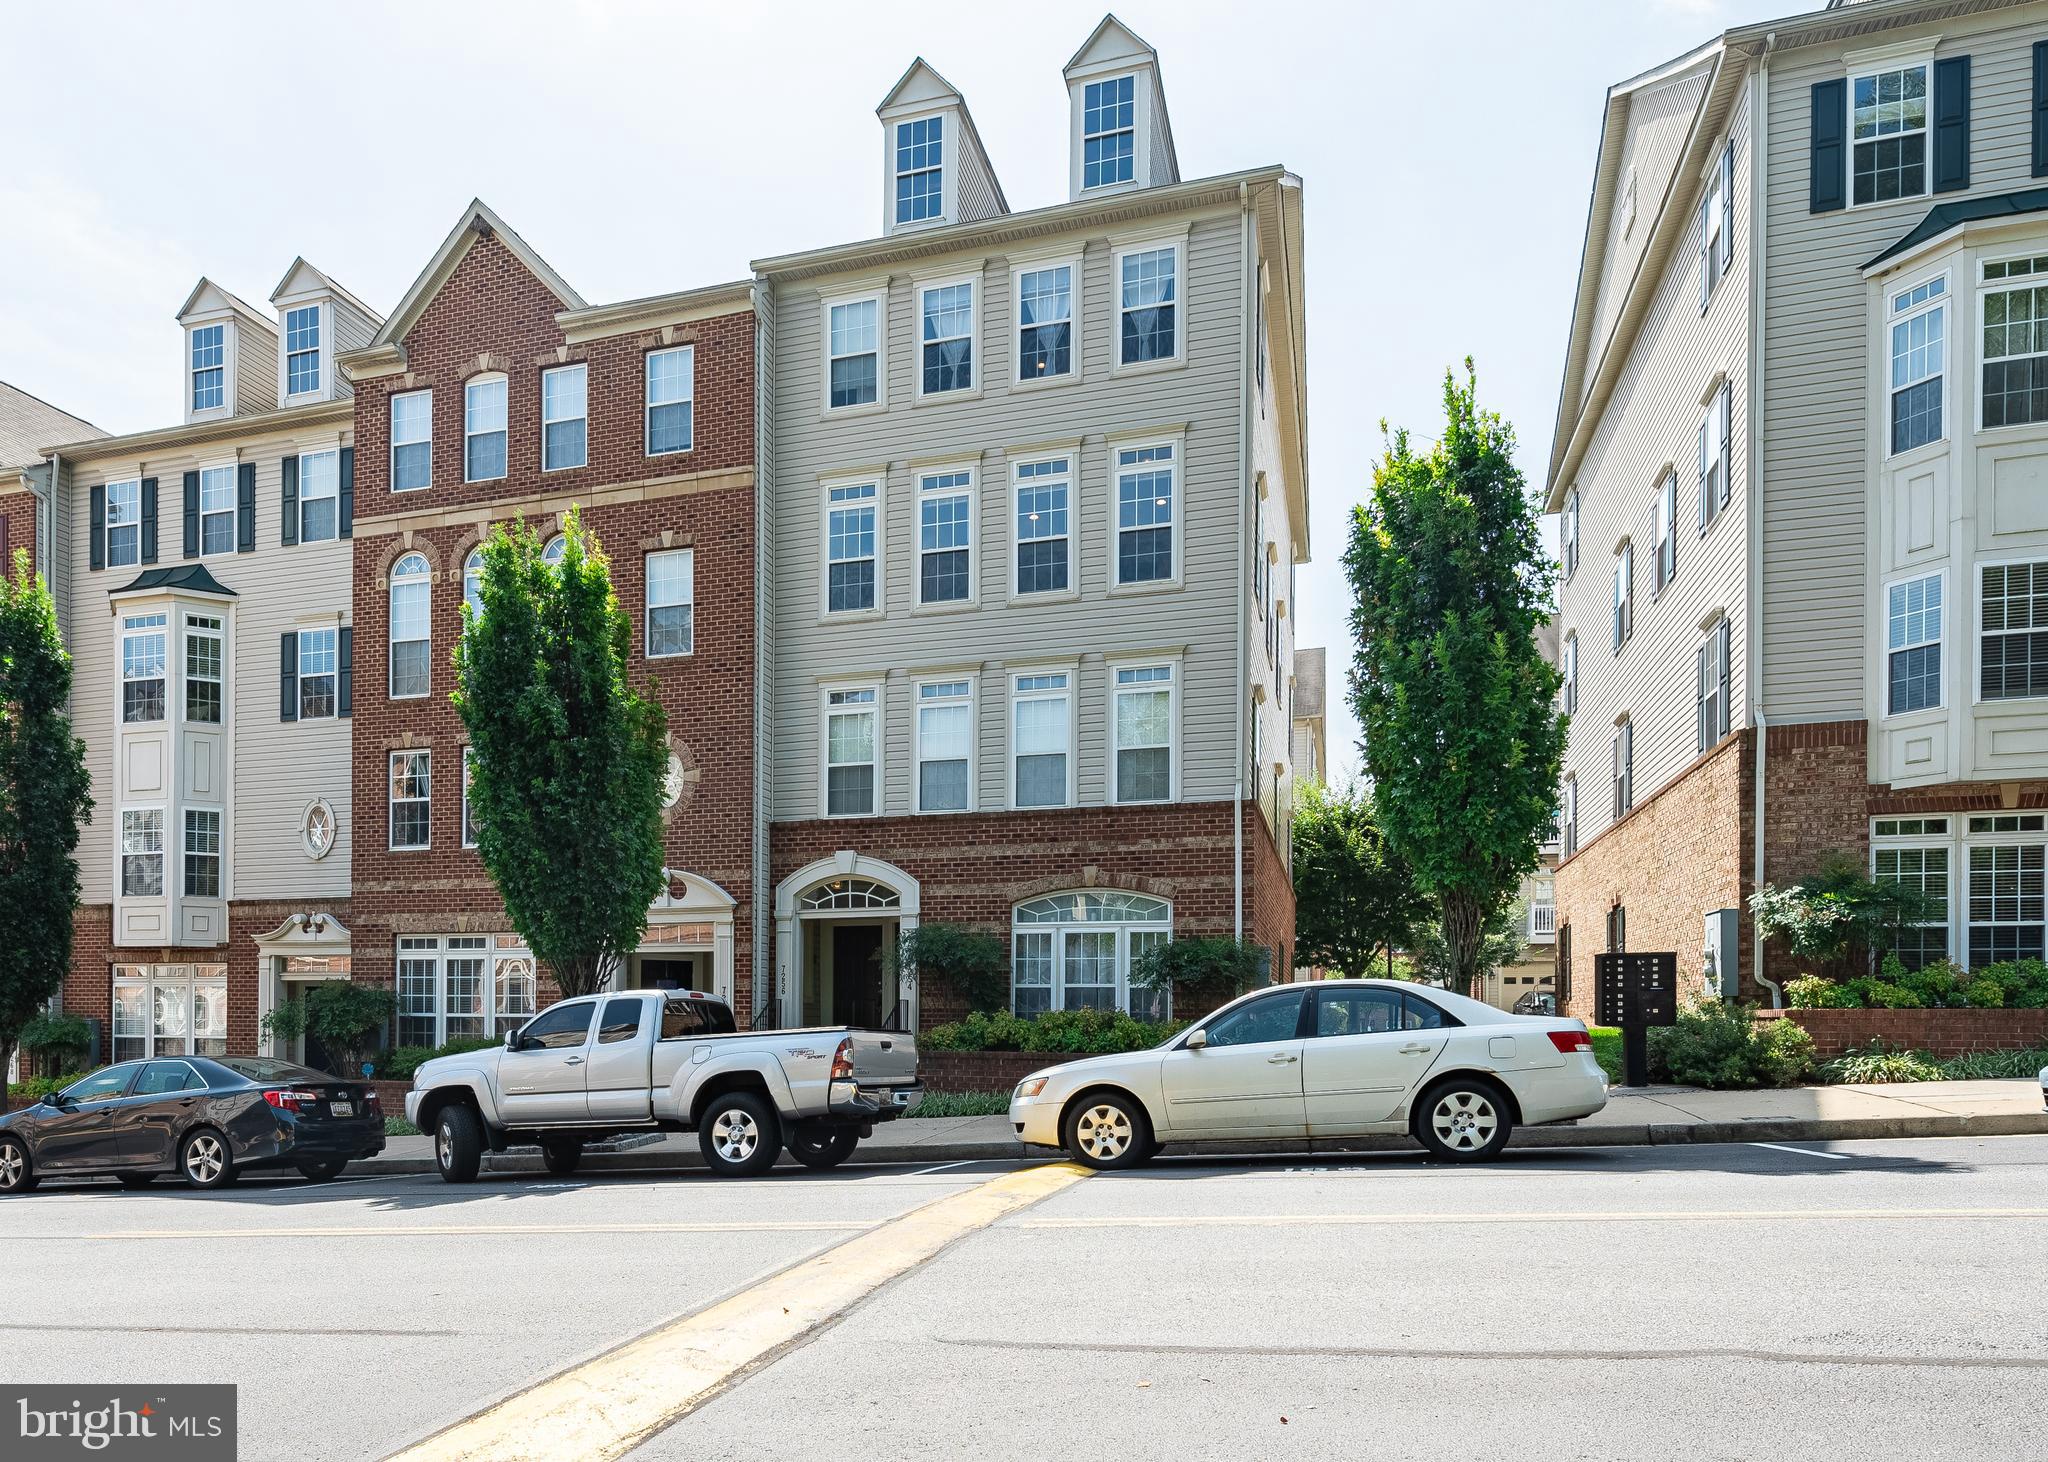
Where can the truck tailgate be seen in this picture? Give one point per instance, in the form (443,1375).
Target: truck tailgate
(883,1058)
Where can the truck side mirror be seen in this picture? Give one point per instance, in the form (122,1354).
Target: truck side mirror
(512,1040)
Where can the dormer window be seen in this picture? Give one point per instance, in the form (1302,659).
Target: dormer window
(1109,132)
(209,368)
(302,350)
(920,171)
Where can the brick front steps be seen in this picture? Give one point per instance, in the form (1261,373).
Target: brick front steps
(1937,1032)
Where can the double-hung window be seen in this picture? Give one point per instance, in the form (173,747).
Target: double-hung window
(1914,852)
(1716,463)
(1109,131)
(1913,614)
(209,367)
(1148,304)
(1044,491)
(565,425)
(2006,888)
(1041,739)
(1045,321)
(920,169)
(671,602)
(1918,338)
(945,745)
(1711,686)
(852,750)
(851,547)
(671,399)
(143,666)
(1664,528)
(1624,595)
(319,496)
(318,673)
(202,669)
(853,375)
(411,627)
(483,429)
(2015,341)
(1622,754)
(2013,657)
(945,537)
(1888,117)
(124,523)
(412,441)
(1568,692)
(1146,486)
(1717,225)
(411,799)
(142,853)
(202,853)
(217,510)
(302,350)
(1568,532)
(946,337)
(1570,831)
(1142,726)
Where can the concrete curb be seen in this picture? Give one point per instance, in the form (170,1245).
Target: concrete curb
(1654,1134)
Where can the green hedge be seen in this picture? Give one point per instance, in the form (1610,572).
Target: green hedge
(400,1062)
(962,1104)
(2020,984)
(1725,1048)
(37,1087)
(1877,1063)
(1059,1032)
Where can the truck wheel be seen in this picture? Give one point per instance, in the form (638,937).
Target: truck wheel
(741,1134)
(562,1155)
(458,1144)
(822,1144)
(1108,1130)
(1462,1120)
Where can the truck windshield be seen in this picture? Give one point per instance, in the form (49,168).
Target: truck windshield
(681,1019)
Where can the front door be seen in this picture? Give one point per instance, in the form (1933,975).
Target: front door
(82,1133)
(1247,1078)
(857,975)
(1368,1048)
(545,1079)
(690,972)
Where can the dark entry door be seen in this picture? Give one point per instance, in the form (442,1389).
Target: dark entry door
(857,975)
(670,974)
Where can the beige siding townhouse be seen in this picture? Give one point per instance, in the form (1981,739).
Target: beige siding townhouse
(1802,465)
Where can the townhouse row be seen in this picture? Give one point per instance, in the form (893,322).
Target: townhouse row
(961,559)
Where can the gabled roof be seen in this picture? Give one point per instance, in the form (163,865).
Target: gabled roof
(187,578)
(207,297)
(921,87)
(477,221)
(26,422)
(1112,42)
(303,278)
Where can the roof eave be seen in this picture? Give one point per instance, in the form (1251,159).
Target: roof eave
(193,433)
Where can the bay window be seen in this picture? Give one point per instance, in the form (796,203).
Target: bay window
(1918,343)
(202,853)
(2013,648)
(2015,355)
(142,853)
(1913,613)
(143,666)
(202,669)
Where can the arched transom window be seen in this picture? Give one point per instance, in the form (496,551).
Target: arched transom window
(1073,951)
(847,895)
(556,547)
(473,581)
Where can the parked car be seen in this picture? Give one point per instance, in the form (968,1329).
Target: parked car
(664,1061)
(208,1120)
(1537,1002)
(1335,1058)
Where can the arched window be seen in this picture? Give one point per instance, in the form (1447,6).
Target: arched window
(473,581)
(843,895)
(1073,951)
(556,547)
(411,631)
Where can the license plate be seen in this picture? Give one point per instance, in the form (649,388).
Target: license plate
(342,1109)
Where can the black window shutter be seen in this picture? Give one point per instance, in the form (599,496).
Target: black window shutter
(191,515)
(149,520)
(1951,124)
(245,508)
(291,500)
(347,510)
(1702,494)
(1727,441)
(1827,171)
(2041,109)
(99,527)
(1727,713)
(1699,698)
(344,698)
(288,677)
(1728,205)
(1706,256)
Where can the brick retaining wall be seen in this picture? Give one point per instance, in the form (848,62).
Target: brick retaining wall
(1938,1032)
(982,1070)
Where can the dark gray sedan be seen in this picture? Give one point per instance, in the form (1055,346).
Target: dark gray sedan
(207,1120)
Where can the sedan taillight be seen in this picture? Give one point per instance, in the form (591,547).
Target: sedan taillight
(290,1101)
(1570,1041)
(373,1105)
(842,1061)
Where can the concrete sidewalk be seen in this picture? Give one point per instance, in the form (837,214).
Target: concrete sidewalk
(1633,1117)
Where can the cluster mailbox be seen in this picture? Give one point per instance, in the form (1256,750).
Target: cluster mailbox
(1635,991)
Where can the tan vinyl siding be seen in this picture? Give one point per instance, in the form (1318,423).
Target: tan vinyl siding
(256,354)
(1652,419)
(977,185)
(352,331)
(1198,618)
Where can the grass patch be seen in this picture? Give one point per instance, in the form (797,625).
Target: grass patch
(399,1127)
(1876,1063)
(1607,1051)
(963,1104)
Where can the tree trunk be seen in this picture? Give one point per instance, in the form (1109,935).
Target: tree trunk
(6,1055)
(1464,925)
(583,974)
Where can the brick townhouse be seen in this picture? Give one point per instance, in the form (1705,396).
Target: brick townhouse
(495,393)
(1801,460)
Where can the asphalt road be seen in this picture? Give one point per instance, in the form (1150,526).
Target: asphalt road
(1705,1302)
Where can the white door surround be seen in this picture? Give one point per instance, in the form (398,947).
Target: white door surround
(312,937)
(893,896)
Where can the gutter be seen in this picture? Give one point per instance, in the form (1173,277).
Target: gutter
(1759,148)
(1248,281)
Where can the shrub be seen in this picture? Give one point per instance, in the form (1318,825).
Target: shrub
(64,1038)
(1841,907)
(1984,994)
(400,1063)
(974,963)
(1058,1032)
(1876,1064)
(2023,981)
(37,1087)
(1883,995)
(343,1016)
(1816,992)
(962,1104)
(1213,967)
(1725,1047)
(1781,1052)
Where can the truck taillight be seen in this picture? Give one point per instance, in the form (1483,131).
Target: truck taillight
(1570,1041)
(842,1061)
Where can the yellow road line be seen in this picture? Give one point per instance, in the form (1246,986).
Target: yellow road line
(467,1230)
(1333,1220)
(607,1406)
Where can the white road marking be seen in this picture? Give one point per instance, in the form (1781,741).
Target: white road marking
(1339,1220)
(1806,1151)
(964,1162)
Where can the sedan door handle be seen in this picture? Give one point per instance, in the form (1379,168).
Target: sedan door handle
(1281,1060)
(1416,1050)
(573,1061)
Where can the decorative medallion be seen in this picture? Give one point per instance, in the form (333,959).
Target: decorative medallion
(679,782)
(316,828)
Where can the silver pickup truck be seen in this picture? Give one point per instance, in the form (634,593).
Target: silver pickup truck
(663,1061)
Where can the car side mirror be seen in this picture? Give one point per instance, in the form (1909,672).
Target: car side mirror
(1197,1040)
(52,1099)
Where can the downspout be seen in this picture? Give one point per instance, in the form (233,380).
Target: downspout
(1247,282)
(1759,154)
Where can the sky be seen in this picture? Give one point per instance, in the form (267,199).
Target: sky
(1446,150)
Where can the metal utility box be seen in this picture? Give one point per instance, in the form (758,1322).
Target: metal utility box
(1721,950)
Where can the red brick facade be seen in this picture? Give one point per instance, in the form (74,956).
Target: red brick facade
(17,528)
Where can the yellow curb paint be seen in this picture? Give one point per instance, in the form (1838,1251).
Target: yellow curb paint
(470,1230)
(1336,1220)
(607,1406)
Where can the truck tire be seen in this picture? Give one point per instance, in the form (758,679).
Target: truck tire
(563,1155)
(823,1144)
(458,1144)
(740,1135)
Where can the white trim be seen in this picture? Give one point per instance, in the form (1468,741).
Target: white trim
(1071,455)
(1902,56)
(648,606)
(951,134)
(878,686)
(1976,592)
(323,350)
(1175,441)
(229,333)
(391,802)
(231,512)
(972,491)
(1013,697)
(1884,644)
(578,368)
(788,923)
(879,481)
(422,578)
(1076,356)
(878,294)
(918,704)
(1171,662)
(1177,241)
(391,419)
(689,397)
(485,378)
(1893,317)
(972,282)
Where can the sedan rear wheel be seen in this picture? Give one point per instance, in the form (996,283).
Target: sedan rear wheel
(205,1161)
(1463,1121)
(1107,1131)
(17,1173)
